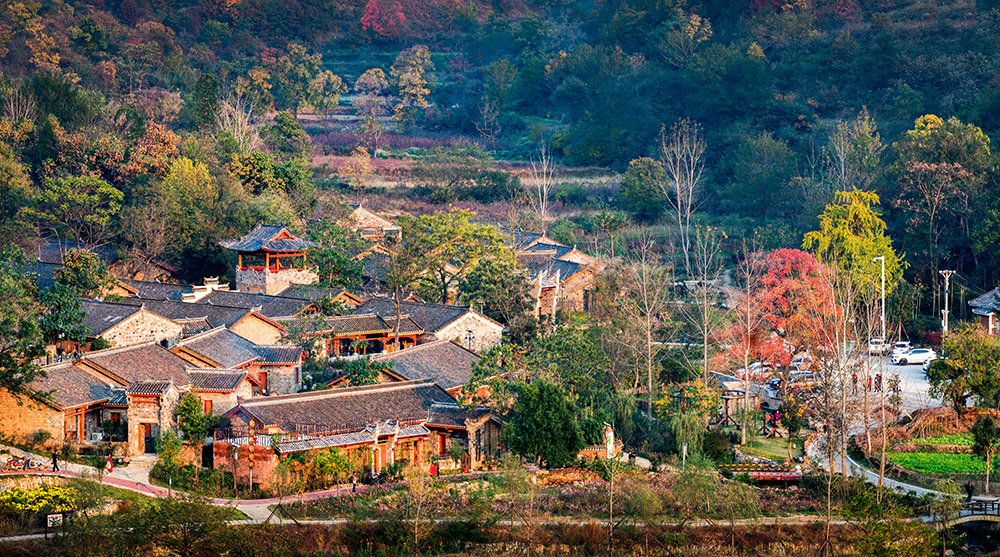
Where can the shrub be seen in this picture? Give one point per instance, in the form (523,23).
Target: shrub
(40,436)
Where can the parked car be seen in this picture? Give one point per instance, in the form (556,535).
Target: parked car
(914,356)
(900,347)
(757,371)
(878,347)
(802,363)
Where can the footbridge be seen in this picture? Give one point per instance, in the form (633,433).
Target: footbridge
(977,510)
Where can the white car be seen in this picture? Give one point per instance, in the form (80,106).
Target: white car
(802,363)
(900,347)
(914,356)
(878,347)
(757,371)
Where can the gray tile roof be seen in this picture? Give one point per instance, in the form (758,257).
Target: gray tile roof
(119,397)
(191,327)
(263,238)
(217,315)
(334,408)
(144,361)
(447,363)
(565,269)
(225,348)
(269,306)
(309,292)
(225,381)
(101,316)
(450,414)
(278,353)
(148,387)
(556,251)
(990,300)
(429,317)
(72,386)
(353,324)
(51,251)
(157,290)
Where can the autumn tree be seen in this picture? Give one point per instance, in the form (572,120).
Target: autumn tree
(324,93)
(685,34)
(295,72)
(84,207)
(854,153)
(371,104)
(85,274)
(611,223)
(409,74)
(383,17)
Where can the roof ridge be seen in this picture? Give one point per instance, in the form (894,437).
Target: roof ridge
(108,351)
(96,301)
(203,334)
(411,349)
(341,392)
(390,300)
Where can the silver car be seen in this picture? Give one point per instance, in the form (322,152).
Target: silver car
(914,356)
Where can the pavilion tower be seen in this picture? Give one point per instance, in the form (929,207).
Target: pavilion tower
(269,259)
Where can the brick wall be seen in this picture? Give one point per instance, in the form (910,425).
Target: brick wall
(280,379)
(22,420)
(488,333)
(266,282)
(159,411)
(142,327)
(264,462)
(573,290)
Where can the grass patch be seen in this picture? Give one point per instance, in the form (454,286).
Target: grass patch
(774,448)
(940,463)
(961,439)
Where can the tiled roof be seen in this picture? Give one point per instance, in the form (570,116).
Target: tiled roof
(149,290)
(118,398)
(143,361)
(990,300)
(557,251)
(354,324)
(101,316)
(52,251)
(429,317)
(565,269)
(331,408)
(71,386)
(148,387)
(194,326)
(447,363)
(450,414)
(311,292)
(225,381)
(263,238)
(367,220)
(278,353)
(268,306)
(225,348)
(217,315)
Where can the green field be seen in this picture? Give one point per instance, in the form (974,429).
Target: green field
(940,463)
(962,439)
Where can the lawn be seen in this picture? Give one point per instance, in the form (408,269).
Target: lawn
(775,448)
(940,463)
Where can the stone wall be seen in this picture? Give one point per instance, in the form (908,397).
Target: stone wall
(574,290)
(222,402)
(264,462)
(488,333)
(29,481)
(21,420)
(266,282)
(257,330)
(280,379)
(155,410)
(142,327)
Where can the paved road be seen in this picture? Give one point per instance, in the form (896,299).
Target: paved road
(912,383)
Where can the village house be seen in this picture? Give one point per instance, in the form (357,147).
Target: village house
(371,226)
(461,324)
(198,318)
(448,364)
(373,425)
(269,259)
(276,368)
(986,308)
(346,336)
(126,325)
(562,277)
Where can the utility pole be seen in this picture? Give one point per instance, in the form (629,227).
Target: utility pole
(947,292)
(882,259)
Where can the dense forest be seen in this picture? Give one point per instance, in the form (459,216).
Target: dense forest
(160,127)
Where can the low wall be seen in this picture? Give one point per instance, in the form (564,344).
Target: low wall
(29,481)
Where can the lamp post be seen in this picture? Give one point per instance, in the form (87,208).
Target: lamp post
(882,259)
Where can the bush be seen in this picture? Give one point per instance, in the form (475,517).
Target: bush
(40,436)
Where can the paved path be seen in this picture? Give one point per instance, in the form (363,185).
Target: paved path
(817,454)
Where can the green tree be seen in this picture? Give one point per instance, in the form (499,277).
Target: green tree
(20,333)
(949,382)
(370,104)
(497,288)
(935,141)
(60,319)
(611,223)
(84,207)
(286,138)
(986,443)
(85,274)
(851,234)
(15,194)
(294,72)
(193,420)
(409,73)
(451,244)
(363,371)
(640,186)
(206,101)
(884,528)
(543,426)
(970,371)
(793,418)
(334,258)
(324,93)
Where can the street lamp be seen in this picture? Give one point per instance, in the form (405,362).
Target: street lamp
(882,259)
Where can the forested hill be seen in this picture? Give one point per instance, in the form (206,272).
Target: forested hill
(767,80)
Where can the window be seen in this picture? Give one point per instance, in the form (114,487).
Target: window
(116,417)
(208,406)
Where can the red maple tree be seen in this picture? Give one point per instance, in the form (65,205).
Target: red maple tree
(383,18)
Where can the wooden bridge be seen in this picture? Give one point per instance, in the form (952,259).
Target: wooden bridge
(977,510)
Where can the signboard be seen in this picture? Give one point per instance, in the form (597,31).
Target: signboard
(53,520)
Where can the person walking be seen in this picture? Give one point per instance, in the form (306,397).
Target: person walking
(55,460)
(354,483)
(969,488)
(854,379)
(878,382)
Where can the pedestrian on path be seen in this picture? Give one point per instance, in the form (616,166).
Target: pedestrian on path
(878,382)
(854,378)
(55,460)
(354,483)
(969,488)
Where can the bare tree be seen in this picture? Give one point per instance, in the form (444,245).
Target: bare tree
(707,275)
(643,304)
(542,171)
(236,116)
(18,104)
(854,152)
(488,124)
(149,230)
(682,151)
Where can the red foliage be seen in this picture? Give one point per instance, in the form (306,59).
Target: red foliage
(383,18)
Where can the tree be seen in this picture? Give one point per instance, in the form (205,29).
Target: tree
(611,223)
(237,125)
(20,333)
(419,493)
(451,244)
(334,257)
(286,138)
(85,274)
(294,72)
(409,73)
(206,101)
(324,93)
(793,418)
(84,207)
(684,36)
(851,234)
(363,371)
(949,382)
(707,272)
(884,528)
(640,186)
(682,151)
(973,357)
(854,153)
(15,195)
(60,319)
(383,17)
(194,421)
(370,104)
(541,172)
(543,426)
(986,443)
(497,288)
